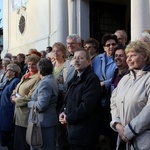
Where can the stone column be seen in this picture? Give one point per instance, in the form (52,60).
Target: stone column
(140,17)
(72,16)
(62,21)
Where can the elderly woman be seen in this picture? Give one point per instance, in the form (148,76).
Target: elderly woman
(104,67)
(92,46)
(44,99)
(130,101)
(7,107)
(21,96)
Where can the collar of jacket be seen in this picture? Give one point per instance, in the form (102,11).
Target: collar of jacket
(83,74)
(146,68)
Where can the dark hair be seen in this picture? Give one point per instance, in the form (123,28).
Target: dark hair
(0,61)
(94,42)
(49,48)
(119,47)
(21,55)
(87,55)
(43,53)
(45,67)
(107,37)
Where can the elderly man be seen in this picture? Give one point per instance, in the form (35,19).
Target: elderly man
(121,36)
(82,105)
(73,44)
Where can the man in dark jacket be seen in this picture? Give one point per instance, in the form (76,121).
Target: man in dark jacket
(82,105)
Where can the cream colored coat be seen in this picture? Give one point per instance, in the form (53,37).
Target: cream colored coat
(130,105)
(25,89)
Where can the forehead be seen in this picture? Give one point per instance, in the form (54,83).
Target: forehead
(119,34)
(88,44)
(71,40)
(132,53)
(110,41)
(80,53)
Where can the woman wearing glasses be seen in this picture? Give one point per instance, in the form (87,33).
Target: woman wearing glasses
(104,67)
(7,107)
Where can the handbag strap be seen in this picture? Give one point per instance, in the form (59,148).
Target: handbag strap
(34,114)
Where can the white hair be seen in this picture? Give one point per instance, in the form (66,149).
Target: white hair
(145,37)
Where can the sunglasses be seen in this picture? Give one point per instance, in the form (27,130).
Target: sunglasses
(108,45)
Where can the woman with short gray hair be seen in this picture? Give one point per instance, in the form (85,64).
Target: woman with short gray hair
(7,107)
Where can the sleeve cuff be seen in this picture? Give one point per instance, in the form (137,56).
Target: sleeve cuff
(129,132)
(112,123)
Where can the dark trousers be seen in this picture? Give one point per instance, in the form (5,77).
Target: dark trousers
(20,139)
(7,139)
(62,137)
(80,147)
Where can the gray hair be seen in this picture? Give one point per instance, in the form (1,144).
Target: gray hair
(74,36)
(145,37)
(15,68)
(124,33)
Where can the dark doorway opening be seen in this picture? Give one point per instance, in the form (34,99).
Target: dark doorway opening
(106,18)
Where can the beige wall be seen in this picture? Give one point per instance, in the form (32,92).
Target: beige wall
(45,23)
(36,32)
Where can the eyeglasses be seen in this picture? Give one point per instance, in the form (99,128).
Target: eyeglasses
(10,70)
(71,43)
(56,51)
(86,47)
(108,45)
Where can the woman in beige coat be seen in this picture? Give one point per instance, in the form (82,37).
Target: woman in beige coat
(21,96)
(130,101)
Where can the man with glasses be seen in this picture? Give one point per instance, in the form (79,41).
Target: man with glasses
(73,42)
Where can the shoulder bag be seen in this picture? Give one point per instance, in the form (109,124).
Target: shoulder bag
(34,133)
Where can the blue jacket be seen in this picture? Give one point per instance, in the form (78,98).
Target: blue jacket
(44,98)
(6,106)
(104,71)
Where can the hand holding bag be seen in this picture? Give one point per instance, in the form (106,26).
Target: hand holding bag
(34,133)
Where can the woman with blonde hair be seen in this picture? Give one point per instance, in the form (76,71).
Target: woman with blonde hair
(21,96)
(130,101)
(59,53)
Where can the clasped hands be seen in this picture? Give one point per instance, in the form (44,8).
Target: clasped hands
(62,118)
(120,128)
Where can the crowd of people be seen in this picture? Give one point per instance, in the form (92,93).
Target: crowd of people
(85,100)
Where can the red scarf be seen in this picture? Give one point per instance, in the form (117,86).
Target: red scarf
(27,75)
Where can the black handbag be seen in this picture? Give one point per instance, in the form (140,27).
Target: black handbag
(34,133)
